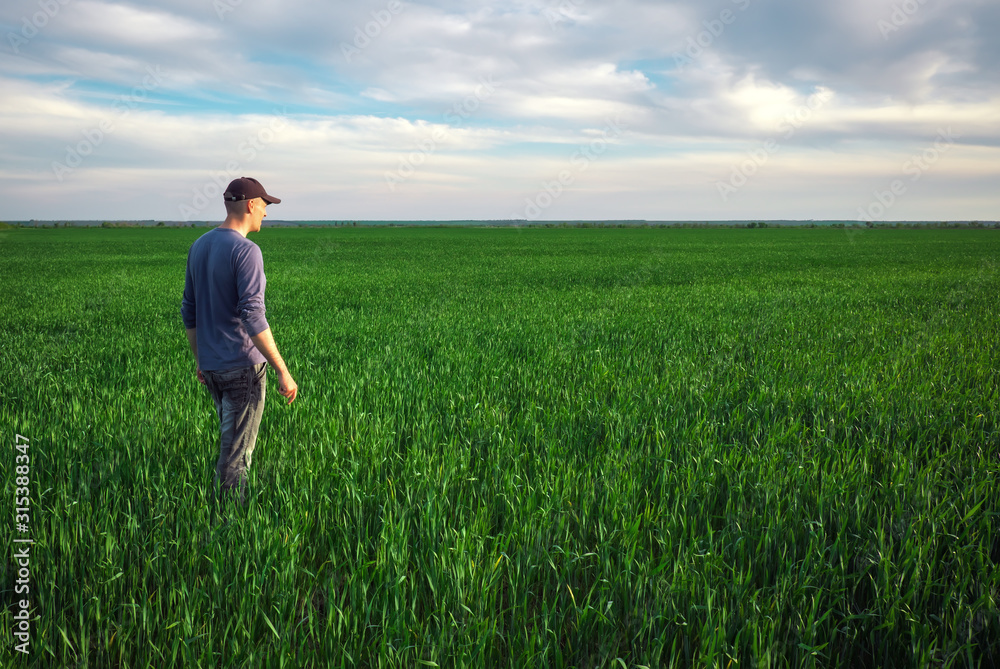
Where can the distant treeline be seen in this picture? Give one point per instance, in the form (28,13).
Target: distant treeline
(518,223)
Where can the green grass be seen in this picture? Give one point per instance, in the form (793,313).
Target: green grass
(518,447)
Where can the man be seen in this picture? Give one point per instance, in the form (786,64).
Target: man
(223,312)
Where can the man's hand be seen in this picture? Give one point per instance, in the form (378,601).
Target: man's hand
(192,335)
(264,341)
(287,386)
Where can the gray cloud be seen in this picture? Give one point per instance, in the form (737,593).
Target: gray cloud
(517,86)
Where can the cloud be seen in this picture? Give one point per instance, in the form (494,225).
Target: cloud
(493,99)
(130,27)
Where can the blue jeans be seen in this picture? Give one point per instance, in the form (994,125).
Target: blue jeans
(239,400)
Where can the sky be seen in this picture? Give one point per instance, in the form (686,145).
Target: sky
(882,110)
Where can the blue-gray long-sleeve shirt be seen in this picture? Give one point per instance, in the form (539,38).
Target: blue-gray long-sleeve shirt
(224,299)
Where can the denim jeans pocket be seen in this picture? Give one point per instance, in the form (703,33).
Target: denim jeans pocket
(254,380)
(233,384)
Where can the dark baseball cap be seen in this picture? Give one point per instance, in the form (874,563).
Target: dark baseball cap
(247,188)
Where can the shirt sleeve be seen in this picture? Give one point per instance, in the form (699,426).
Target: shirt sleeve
(250,284)
(187,299)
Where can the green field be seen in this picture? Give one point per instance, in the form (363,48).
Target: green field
(516,447)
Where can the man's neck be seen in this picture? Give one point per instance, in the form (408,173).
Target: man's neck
(239,225)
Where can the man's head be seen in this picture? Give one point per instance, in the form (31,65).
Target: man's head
(247,188)
(246,201)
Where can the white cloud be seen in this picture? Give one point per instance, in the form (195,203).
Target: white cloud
(506,93)
(129,26)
